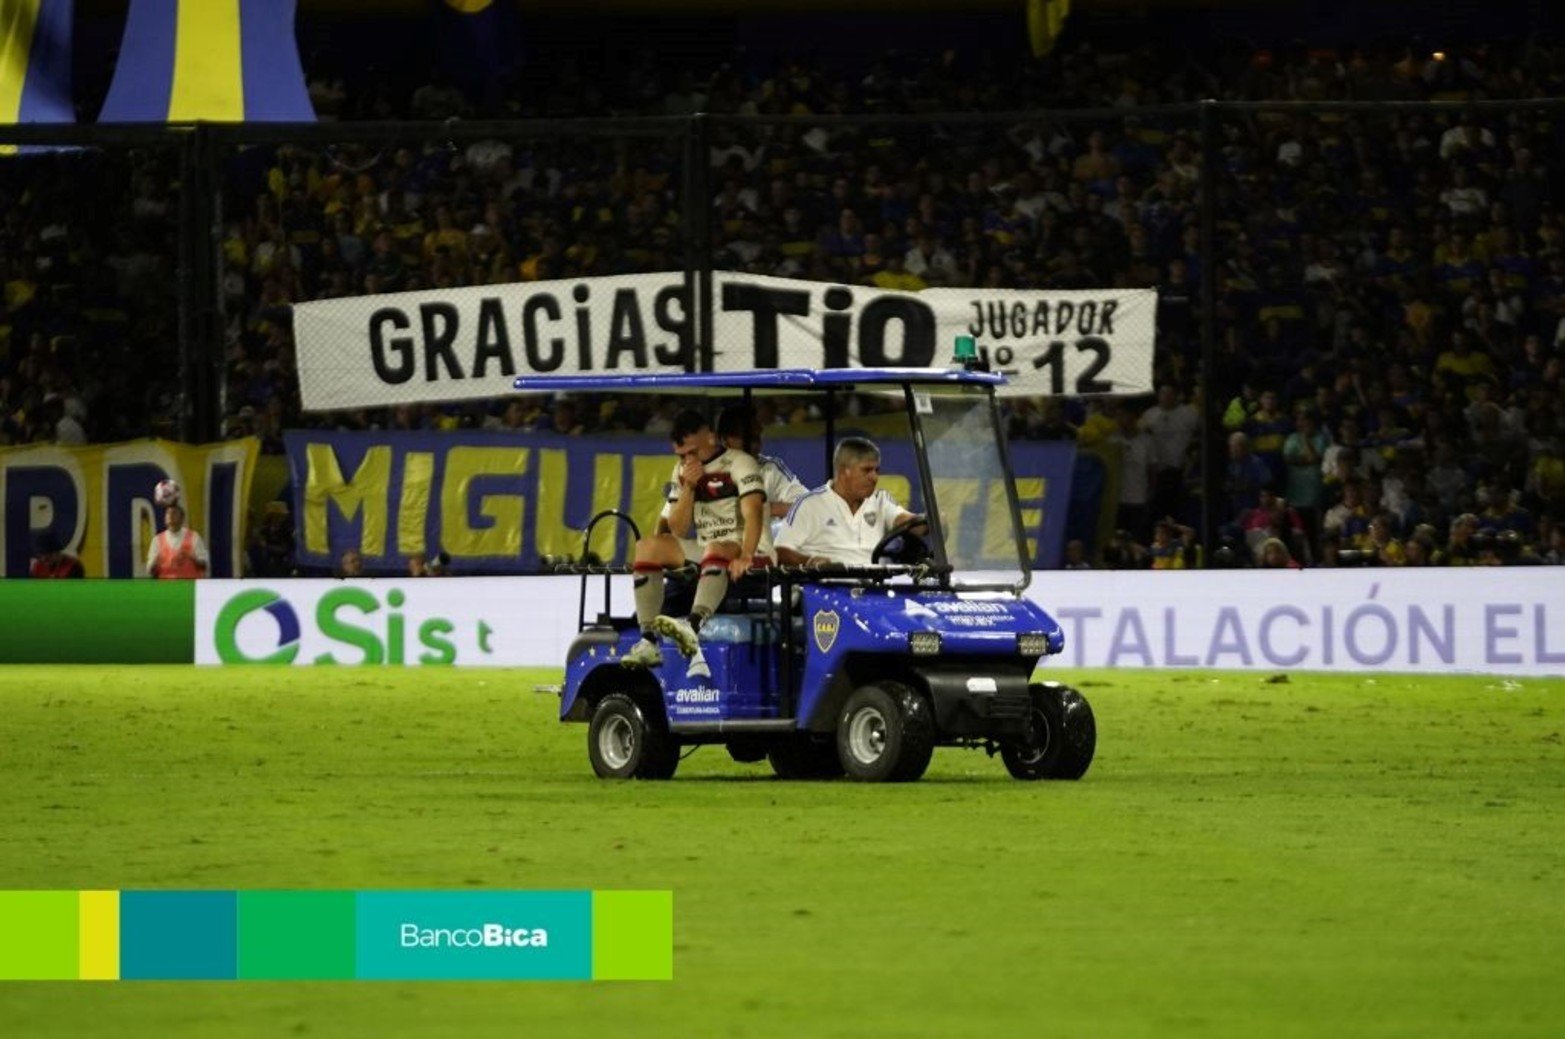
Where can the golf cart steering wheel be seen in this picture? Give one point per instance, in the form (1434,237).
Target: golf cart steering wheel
(901,545)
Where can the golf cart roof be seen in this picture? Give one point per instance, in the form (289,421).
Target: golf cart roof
(792,380)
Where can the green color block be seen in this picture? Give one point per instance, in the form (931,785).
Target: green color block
(632,936)
(98,622)
(296,935)
(38,936)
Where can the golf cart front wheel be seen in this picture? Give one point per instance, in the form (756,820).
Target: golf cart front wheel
(1062,736)
(885,734)
(623,744)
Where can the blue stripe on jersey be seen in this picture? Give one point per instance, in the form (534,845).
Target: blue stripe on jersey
(822,489)
(782,466)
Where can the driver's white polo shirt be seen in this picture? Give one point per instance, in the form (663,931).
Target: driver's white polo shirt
(821,524)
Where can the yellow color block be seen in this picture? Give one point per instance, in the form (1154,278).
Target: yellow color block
(18,19)
(99,945)
(208,65)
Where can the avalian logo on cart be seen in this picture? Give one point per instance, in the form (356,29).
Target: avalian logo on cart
(370,628)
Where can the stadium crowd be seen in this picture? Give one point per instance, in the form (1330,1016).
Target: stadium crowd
(1390,286)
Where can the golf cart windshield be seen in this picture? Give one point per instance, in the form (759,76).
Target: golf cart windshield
(971,486)
(938,431)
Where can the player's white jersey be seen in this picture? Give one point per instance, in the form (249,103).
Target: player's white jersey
(726,479)
(781,486)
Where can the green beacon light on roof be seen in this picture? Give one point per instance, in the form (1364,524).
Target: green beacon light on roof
(966,353)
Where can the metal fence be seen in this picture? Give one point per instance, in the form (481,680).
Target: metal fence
(1303,249)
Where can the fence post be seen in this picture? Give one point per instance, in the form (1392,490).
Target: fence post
(200,351)
(1211,484)
(698,235)
(185,287)
(214,327)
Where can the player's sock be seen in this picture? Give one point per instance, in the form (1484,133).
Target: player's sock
(648,583)
(710,589)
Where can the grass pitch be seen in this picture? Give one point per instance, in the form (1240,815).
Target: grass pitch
(1330,855)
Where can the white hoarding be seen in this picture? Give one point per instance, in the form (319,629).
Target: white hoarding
(468,621)
(1499,621)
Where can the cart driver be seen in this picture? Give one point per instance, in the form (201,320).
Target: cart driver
(721,494)
(842,521)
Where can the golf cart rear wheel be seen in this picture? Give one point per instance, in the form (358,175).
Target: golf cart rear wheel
(1062,736)
(623,743)
(885,734)
(804,757)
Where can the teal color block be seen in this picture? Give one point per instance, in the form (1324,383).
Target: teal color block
(178,935)
(474,935)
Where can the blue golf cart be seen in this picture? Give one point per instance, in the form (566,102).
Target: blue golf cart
(855,670)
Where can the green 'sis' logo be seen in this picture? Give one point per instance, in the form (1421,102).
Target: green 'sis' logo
(242,606)
(351,616)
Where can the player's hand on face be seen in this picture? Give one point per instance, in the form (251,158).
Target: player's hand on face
(737,568)
(690,470)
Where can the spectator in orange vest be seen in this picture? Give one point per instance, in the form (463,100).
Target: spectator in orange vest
(177,553)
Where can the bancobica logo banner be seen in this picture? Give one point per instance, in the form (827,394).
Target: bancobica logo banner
(469,343)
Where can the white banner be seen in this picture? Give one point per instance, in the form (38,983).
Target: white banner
(1499,621)
(1502,620)
(1072,342)
(469,343)
(432,621)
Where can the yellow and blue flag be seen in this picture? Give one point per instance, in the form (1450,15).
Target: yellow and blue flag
(476,44)
(35,61)
(215,60)
(1045,22)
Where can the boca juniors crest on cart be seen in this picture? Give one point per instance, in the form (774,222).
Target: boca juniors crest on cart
(827,624)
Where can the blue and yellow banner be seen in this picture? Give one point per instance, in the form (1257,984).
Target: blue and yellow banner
(216,60)
(95,502)
(1045,22)
(508,502)
(35,62)
(336,935)
(476,42)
